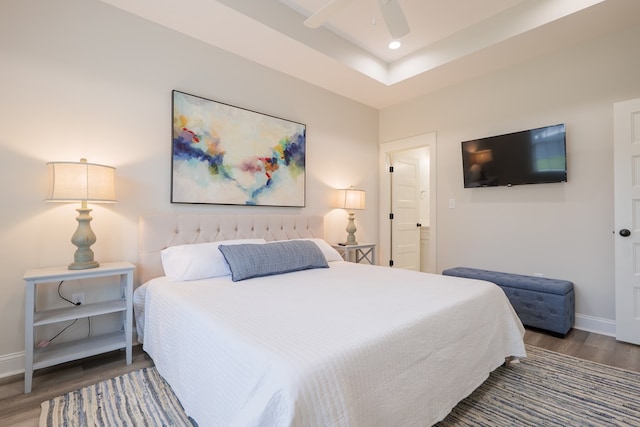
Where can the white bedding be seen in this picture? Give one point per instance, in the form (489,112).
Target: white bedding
(349,345)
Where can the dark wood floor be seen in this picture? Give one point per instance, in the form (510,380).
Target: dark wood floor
(22,410)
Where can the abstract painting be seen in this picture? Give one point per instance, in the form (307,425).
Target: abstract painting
(228,155)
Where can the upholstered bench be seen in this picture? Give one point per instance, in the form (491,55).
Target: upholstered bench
(540,302)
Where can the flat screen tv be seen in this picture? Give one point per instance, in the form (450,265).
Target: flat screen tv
(532,156)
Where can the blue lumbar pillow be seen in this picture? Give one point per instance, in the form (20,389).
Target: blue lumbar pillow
(255,260)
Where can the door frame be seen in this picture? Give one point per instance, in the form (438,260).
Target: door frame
(386,148)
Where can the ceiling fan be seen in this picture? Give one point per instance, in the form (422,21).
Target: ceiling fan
(390,9)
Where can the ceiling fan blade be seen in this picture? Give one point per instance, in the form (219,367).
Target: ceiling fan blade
(394,18)
(322,15)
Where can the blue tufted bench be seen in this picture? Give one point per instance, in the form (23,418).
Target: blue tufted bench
(539,302)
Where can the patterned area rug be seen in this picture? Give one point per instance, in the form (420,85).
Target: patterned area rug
(551,389)
(546,389)
(139,398)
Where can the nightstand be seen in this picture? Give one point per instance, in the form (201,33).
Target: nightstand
(53,354)
(357,253)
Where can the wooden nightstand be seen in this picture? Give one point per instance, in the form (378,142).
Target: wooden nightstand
(357,253)
(53,354)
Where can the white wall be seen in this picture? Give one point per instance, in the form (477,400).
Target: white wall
(83,79)
(561,230)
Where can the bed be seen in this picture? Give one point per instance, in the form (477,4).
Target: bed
(339,345)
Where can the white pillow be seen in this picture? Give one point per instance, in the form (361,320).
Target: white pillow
(198,261)
(329,253)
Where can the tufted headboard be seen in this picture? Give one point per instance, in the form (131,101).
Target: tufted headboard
(158,231)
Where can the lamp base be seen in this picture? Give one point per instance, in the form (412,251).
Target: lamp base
(83,265)
(351,230)
(83,238)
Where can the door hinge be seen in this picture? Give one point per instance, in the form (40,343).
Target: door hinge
(390,263)
(391,216)
(390,169)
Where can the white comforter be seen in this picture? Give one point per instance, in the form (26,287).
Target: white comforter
(350,345)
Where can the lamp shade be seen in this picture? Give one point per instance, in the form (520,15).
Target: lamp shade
(80,181)
(350,199)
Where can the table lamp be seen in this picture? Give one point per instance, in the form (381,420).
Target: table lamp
(350,200)
(81,182)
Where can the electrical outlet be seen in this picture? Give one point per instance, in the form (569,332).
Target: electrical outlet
(78,299)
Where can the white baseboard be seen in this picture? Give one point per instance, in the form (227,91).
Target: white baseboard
(12,364)
(597,325)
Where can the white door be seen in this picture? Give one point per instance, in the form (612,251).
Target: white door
(626,127)
(428,178)
(405,232)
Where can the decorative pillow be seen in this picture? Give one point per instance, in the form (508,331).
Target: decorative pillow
(329,253)
(198,261)
(250,260)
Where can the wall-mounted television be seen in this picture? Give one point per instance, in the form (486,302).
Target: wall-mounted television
(532,156)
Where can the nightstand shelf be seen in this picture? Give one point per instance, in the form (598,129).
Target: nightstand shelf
(53,354)
(357,253)
(78,312)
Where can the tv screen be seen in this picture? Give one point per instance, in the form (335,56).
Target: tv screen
(528,157)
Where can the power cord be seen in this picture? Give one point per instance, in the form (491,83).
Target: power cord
(44,343)
(66,299)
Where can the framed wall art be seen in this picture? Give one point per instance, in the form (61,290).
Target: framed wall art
(228,155)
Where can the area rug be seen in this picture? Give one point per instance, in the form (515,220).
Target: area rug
(546,389)
(551,389)
(139,398)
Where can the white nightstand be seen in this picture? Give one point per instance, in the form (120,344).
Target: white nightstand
(357,253)
(53,354)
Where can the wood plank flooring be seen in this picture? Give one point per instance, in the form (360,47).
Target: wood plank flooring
(589,346)
(23,410)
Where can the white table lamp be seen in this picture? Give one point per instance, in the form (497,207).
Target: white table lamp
(81,182)
(351,200)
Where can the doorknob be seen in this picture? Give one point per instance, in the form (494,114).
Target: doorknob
(625,233)
(418,225)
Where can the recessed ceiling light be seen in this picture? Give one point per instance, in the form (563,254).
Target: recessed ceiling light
(395,44)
